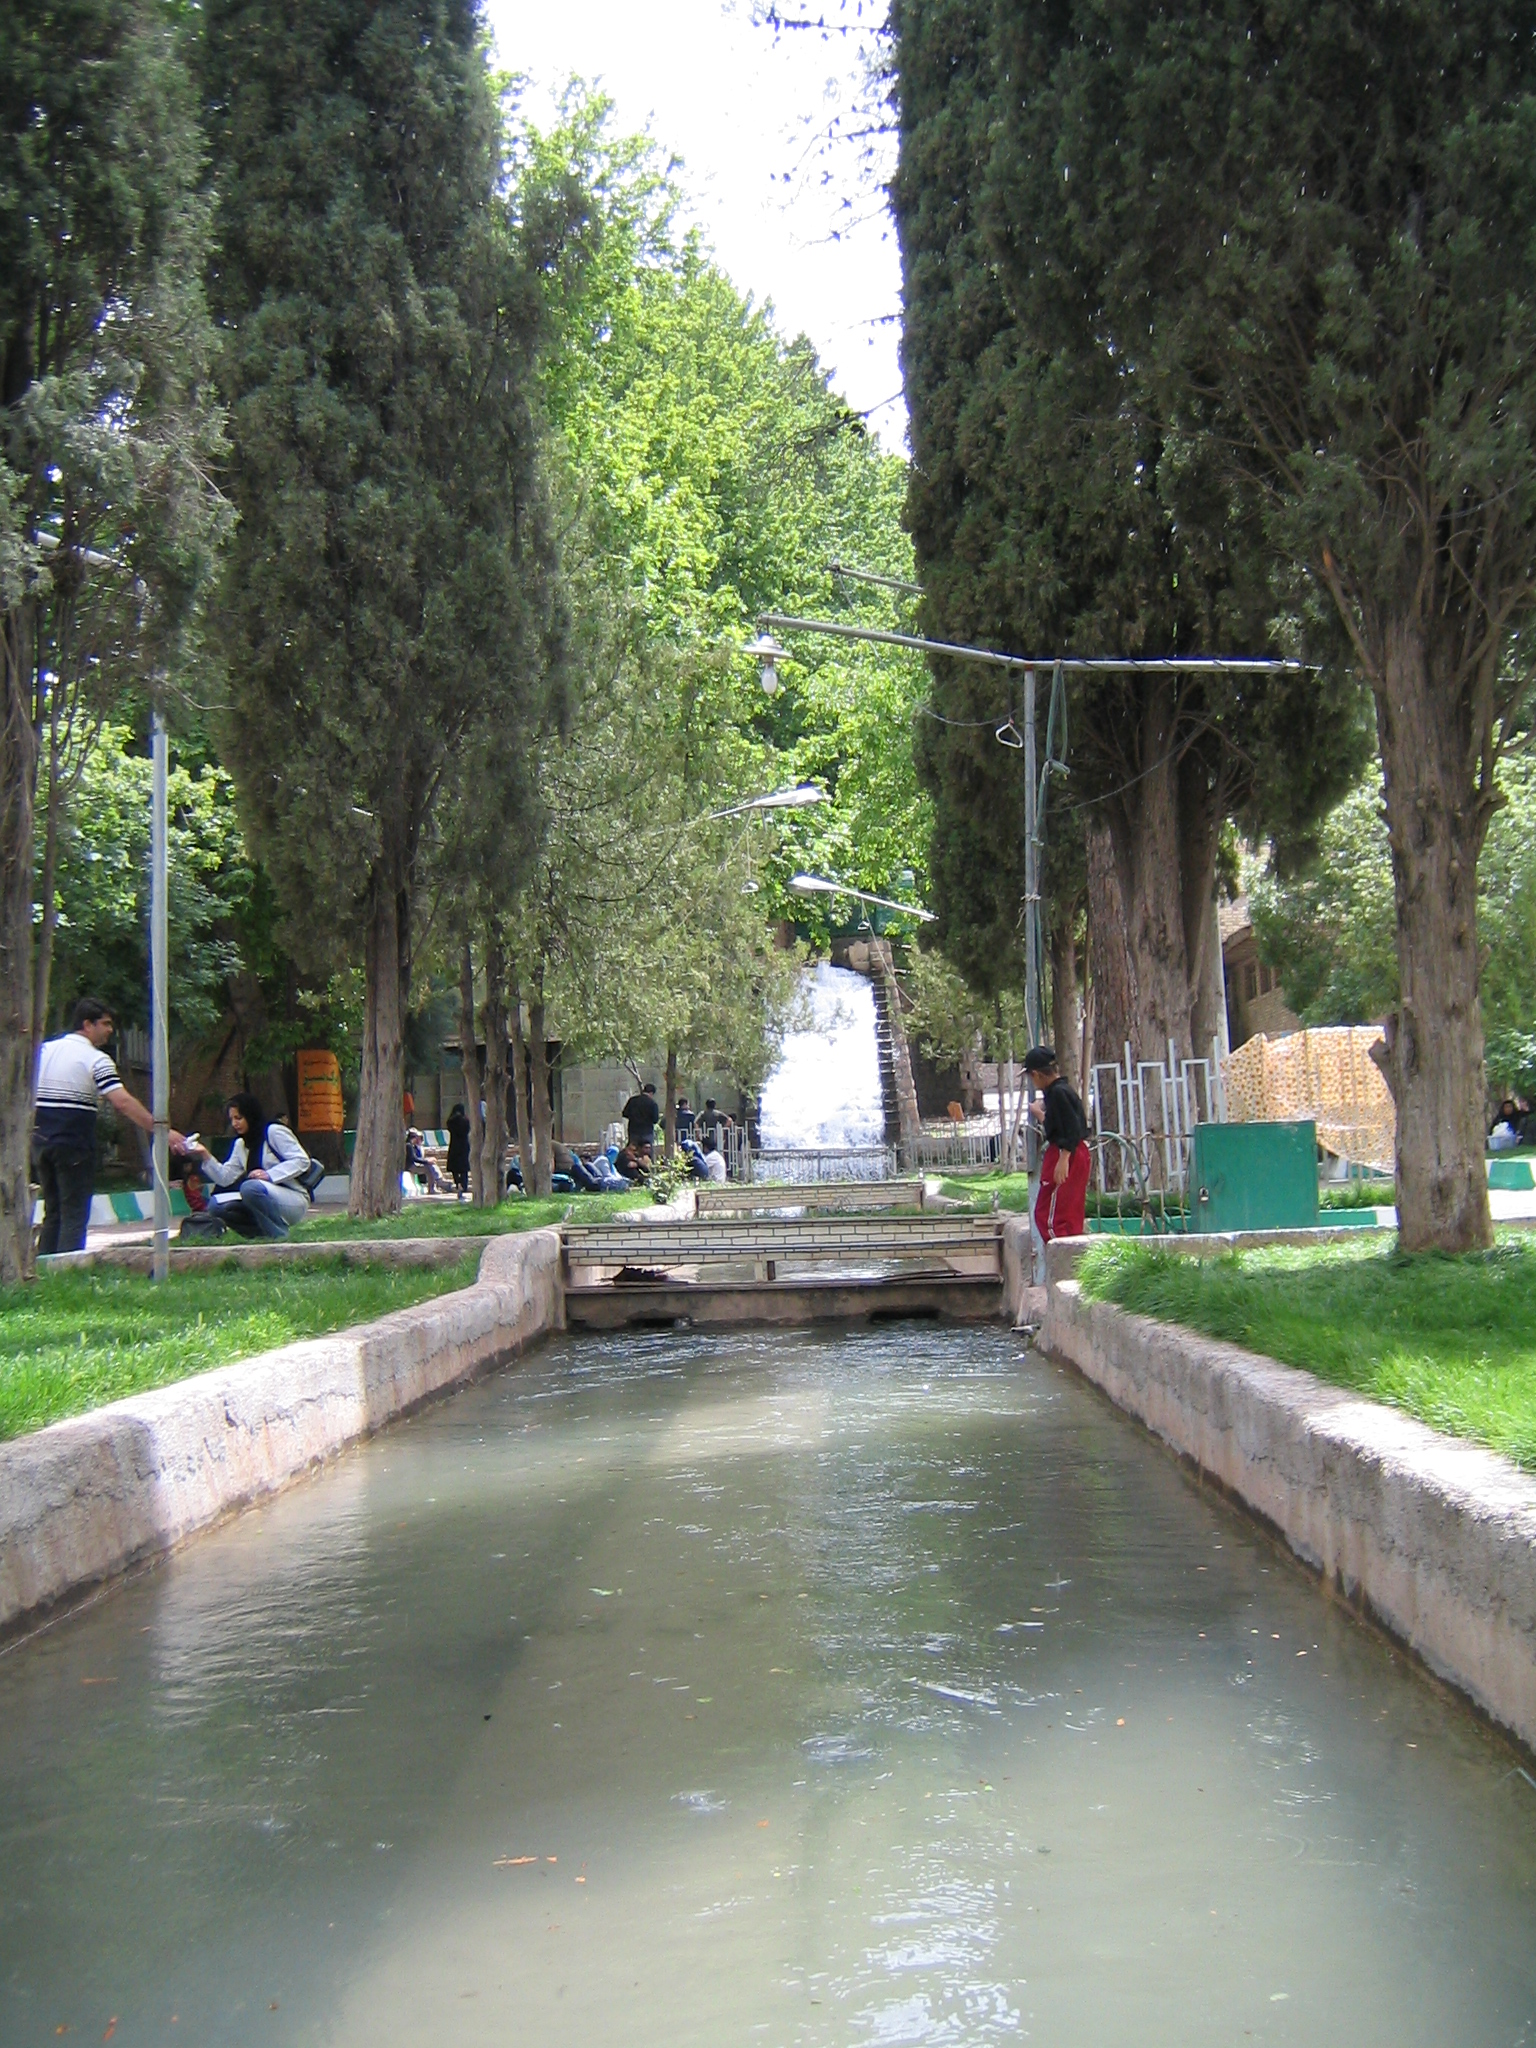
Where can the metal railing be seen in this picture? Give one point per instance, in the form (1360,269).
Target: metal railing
(956,1148)
(800,1163)
(1151,1108)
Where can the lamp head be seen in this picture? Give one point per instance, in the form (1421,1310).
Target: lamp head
(767,652)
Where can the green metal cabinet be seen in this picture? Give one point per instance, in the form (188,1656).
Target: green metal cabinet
(1253,1177)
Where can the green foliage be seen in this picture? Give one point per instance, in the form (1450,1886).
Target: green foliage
(711,475)
(719,476)
(1331,931)
(103,887)
(1449,1340)
(109,434)
(73,1341)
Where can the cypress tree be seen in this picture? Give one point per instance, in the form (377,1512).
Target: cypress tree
(1041,519)
(107,437)
(1317,221)
(389,598)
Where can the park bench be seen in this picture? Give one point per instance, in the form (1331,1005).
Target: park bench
(849,1195)
(780,1248)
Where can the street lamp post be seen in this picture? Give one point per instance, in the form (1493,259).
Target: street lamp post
(160,1054)
(800,796)
(819,885)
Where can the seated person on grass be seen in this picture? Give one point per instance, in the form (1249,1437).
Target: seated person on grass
(634,1162)
(1505,1135)
(591,1178)
(266,1199)
(422,1163)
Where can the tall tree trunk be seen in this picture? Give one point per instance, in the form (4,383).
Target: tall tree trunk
(494,1138)
(48,897)
(1437,817)
(1144,826)
(669,1112)
(379,1158)
(1109,958)
(18,1066)
(469,1063)
(1064,1008)
(538,1088)
(520,1092)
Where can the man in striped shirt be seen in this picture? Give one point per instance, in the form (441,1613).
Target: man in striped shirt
(74,1077)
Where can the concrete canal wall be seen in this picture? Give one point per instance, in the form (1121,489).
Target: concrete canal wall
(1432,1536)
(86,1499)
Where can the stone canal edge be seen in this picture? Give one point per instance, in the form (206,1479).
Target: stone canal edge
(1432,1537)
(85,1500)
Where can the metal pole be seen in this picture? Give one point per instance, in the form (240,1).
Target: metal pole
(1031,867)
(160,1065)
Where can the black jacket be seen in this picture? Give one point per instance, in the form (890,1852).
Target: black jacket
(642,1113)
(1066,1124)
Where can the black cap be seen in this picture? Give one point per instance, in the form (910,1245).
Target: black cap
(1040,1059)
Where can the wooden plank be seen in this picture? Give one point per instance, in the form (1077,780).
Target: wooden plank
(770,1237)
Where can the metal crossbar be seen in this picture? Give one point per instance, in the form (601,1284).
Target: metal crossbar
(849,1194)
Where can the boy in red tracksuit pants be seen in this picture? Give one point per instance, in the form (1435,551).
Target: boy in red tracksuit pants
(1068,1161)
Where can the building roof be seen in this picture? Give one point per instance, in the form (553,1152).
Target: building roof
(1233,918)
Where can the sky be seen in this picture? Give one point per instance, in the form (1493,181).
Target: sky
(741,110)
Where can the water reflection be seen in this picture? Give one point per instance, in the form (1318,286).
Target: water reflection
(794,1688)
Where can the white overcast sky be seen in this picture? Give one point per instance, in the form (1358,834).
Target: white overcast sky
(739,109)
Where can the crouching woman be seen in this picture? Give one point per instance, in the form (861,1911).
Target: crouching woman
(264,1165)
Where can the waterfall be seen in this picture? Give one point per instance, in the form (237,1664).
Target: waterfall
(825,1091)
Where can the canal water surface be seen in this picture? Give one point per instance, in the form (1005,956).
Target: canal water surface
(772,1688)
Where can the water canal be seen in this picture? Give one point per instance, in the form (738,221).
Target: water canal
(780,1688)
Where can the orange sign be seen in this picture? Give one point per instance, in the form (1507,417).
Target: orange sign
(319,1092)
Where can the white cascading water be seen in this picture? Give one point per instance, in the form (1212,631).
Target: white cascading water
(825,1091)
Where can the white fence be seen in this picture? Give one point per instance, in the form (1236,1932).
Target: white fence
(1144,1114)
(965,1151)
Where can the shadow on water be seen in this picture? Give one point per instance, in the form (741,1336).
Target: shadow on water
(829,1688)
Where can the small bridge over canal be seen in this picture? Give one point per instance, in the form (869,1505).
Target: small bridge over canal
(875,1257)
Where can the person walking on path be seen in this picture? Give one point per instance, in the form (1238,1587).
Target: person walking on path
(458,1149)
(1061,1202)
(74,1077)
(265,1164)
(642,1113)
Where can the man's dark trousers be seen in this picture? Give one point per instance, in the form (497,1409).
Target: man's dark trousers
(68,1176)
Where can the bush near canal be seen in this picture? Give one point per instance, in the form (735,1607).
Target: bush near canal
(1451,1340)
(73,1341)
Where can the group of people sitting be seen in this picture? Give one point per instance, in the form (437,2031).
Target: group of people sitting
(701,1139)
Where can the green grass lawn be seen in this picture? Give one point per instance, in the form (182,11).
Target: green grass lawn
(458,1219)
(1011,1189)
(1450,1340)
(1357,1194)
(74,1340)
